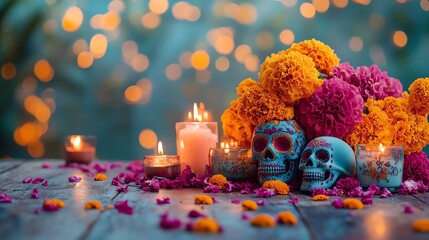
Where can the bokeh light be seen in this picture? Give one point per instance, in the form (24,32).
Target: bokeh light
(72,19)
(148,139)
(8,71)
(200,60)
(400,39)
(43,70)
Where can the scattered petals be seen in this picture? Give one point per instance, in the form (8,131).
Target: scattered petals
(36,211)
(278,186)
(211,189)
(421,225)
(265,193)
(235,201)
(124,208)
(151,185)
(260,202)
(408,209)
(385,193)
(45,183)
(93,205)
(214,200)
(367,201)
(203,199)
(245,216)
(169,223)
(122,188)
(317,191)
(35,193)
(337,203)
(52,205)
(46,165)
(412,187)
(228,187)
(206,225)
(27,180)
(263,220)
(163,200)
(218,180)
(195,214)
(249,205)
(4,198)
(287,218)
(294,200)
(100,177)
(320,197)
(245,191)
(351,214)
(74,179)
(352,203)
(38,180)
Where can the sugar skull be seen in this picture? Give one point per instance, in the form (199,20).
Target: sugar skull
(276,146)
(324,160)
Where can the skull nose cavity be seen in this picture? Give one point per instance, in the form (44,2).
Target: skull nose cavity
(269,155)
(309,163)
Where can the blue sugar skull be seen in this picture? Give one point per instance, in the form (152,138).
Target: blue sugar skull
(276,146)
(324,160)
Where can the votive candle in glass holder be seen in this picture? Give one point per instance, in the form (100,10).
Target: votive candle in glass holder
(234,163)
(160,165)
(380,165)
(79,149)
(194,140)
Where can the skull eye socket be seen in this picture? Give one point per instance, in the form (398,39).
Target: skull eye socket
(260,143)
(322,155)
(283,143)
(305,155)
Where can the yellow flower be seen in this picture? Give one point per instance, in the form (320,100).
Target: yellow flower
(287,217)
(54,202)
(352,203)
(280,187)
(421,225)
(235,126)
(320,197)
(100,177)
(249,205)
(290,76)
(419,96)
(206,225)
(93,205)
(218,180)
(263,220)
(322,55)
(203,199)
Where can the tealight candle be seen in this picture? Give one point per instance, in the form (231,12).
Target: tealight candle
(79,149)
(380,165)
(161,165)
(194,140)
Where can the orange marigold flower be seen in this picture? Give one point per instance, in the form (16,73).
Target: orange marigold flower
(421,225)
(93,205)
(203,199)
(250,205)
(206,225)
(280,187)
(258,106)
(320,197)
(100,177)
(110,206)
(248,82)
(218,180)
(419,96)
(235,126)
(291,76)
(287,217)
(323,55)
(264,221)
(352,203)
(54,202)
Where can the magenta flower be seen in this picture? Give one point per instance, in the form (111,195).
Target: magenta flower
(235,201)
(408,209)
(74,179)
(334,192)
(122,188)
(385,193)
(169,223)
(337,203)
(265,193)
(195,214)
(163,200)
(245,216)
(260,202)
(27,180)
(412,187)
(317,191)
(228,187)
(151,185)
(50,207)
(416,167)
(4,198)
(334,110)
(245,191)
(350,187)
(36,211)
(294,200)
(35,193)
(214,200)
(210,188)
(46,165)
(45,183)
(123,207)
(136,167)
(38,180)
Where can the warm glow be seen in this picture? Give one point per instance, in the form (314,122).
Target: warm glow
(79,46)
(110,21)
(116,6)
(341,3)
(224,45)
(8,71)
(196,115)
(382,148)
(148,139)
(200,60)
(242,52)
(252,63)
(222,64)
(98,46)
(72,19)
(43,71)
(356,44)
(29,85)
(140,62)
(287,37)
(85,59)
(76,142)
(185,60)
(133,94)
(173,71)
(160,149)
(321,6)
(376,225)
(181,10)
(129,50)
(247,14)
(363,2)
(146,87)
(158,6)
(400,39)
(424,4)
(96,21)
(150,20)
(307,10)
(36,149)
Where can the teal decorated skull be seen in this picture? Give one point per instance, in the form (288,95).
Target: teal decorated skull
(324,160)
(276,146)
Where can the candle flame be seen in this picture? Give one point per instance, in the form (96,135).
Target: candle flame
(382,147)
(160,150)
(222,145)
(226,148)
(190,116)
(76,142)
(196,115)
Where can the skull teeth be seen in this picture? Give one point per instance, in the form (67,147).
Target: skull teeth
(313,176)
(271,170)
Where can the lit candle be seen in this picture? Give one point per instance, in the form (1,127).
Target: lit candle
(161,165)
(194,140)
(79,149)
(380,165)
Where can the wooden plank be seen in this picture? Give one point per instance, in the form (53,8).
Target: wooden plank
(383,220)
(424,197)
(6,165)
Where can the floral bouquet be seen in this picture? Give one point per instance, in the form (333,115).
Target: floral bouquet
(308,83)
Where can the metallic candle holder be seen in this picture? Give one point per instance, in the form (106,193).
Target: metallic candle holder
(79,149)
(233,163)
(167,166)
(379,165)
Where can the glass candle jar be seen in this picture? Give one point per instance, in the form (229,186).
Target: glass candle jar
(79,149)
(233,163)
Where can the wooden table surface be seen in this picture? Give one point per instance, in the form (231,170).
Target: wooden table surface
(385,219)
